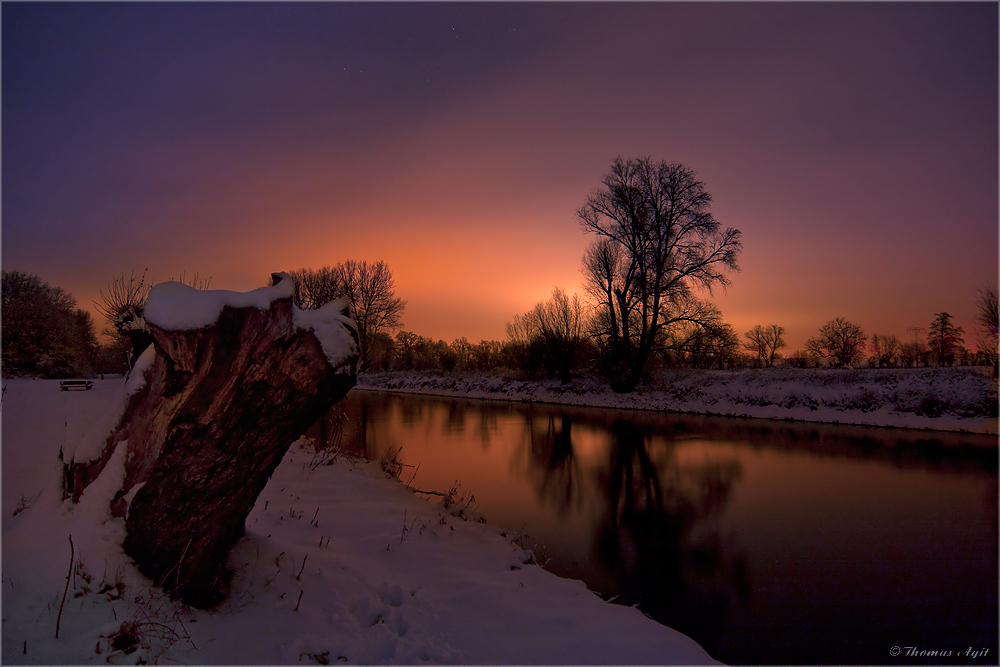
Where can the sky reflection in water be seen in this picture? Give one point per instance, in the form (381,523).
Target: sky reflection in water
(767,542)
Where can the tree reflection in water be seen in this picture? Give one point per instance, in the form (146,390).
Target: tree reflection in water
(665,511)
(555,470)
(653,538)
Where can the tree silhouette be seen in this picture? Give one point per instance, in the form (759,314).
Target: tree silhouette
(765,342)
(886,349)
(839,340)
(657,241)
(988,322)
(124,302)
(648,536)
(944,338)
(371,294)
(555,468)
(44,333)
(549,335)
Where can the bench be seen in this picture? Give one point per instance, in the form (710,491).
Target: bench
(66,385)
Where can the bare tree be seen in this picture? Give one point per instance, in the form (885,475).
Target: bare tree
(560,326)
(657,242)
(370,291)
(988,323)
(522,331)
(912,354)
(463,351)
(315,287)
(886,349)
(988,317)
(713,345)
(549,335)
(765,341)
(944,338)
(839,340)
(122,306)
(124,300)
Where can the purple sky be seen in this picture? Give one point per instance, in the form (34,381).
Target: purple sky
(855,145)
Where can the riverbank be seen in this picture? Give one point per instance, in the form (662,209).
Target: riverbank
(340,564)
(945,399)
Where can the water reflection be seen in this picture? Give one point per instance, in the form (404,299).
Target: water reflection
(554,470)
(767,542)
(648,539)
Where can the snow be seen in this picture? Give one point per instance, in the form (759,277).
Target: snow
(174,306)
(137,377)
(90,444)
(948,399)
(339,564)
(336,341)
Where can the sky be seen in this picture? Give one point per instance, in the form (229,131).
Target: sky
(855,145)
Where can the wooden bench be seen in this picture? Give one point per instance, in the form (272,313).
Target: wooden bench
(66,385)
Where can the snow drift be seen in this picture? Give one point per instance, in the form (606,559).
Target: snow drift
(339,564)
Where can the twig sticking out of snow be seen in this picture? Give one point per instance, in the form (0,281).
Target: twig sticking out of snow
(72,556)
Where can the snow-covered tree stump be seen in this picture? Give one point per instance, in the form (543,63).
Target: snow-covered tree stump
(230,382)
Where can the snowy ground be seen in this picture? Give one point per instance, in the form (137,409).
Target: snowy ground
(340,564)
(949,399)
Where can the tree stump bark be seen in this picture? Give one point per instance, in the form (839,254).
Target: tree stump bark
(220,406)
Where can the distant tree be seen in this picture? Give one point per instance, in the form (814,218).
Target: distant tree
(656,242)
(522,345)
(488,355)
(44,333)
(713,346)
(802,359)
(912,354)
(463,351)
(886,350)
(371,294)
(404,350)
(549,335)
(371,291)
(988,323)
(316,287)
(412,352)
(944,338)
(113,356)
(447,357)
(560,325)
(839,340)
(381,352)
(765,341)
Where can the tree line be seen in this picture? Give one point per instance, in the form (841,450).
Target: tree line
(657,253)
(44,332)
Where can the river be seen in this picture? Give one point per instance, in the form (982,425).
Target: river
(766,542)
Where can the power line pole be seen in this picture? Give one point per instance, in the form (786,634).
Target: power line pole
(916,333)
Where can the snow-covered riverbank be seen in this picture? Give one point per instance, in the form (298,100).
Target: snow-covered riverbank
(948,399)
(340,564)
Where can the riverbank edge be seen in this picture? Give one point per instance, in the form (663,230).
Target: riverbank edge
(724,402)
